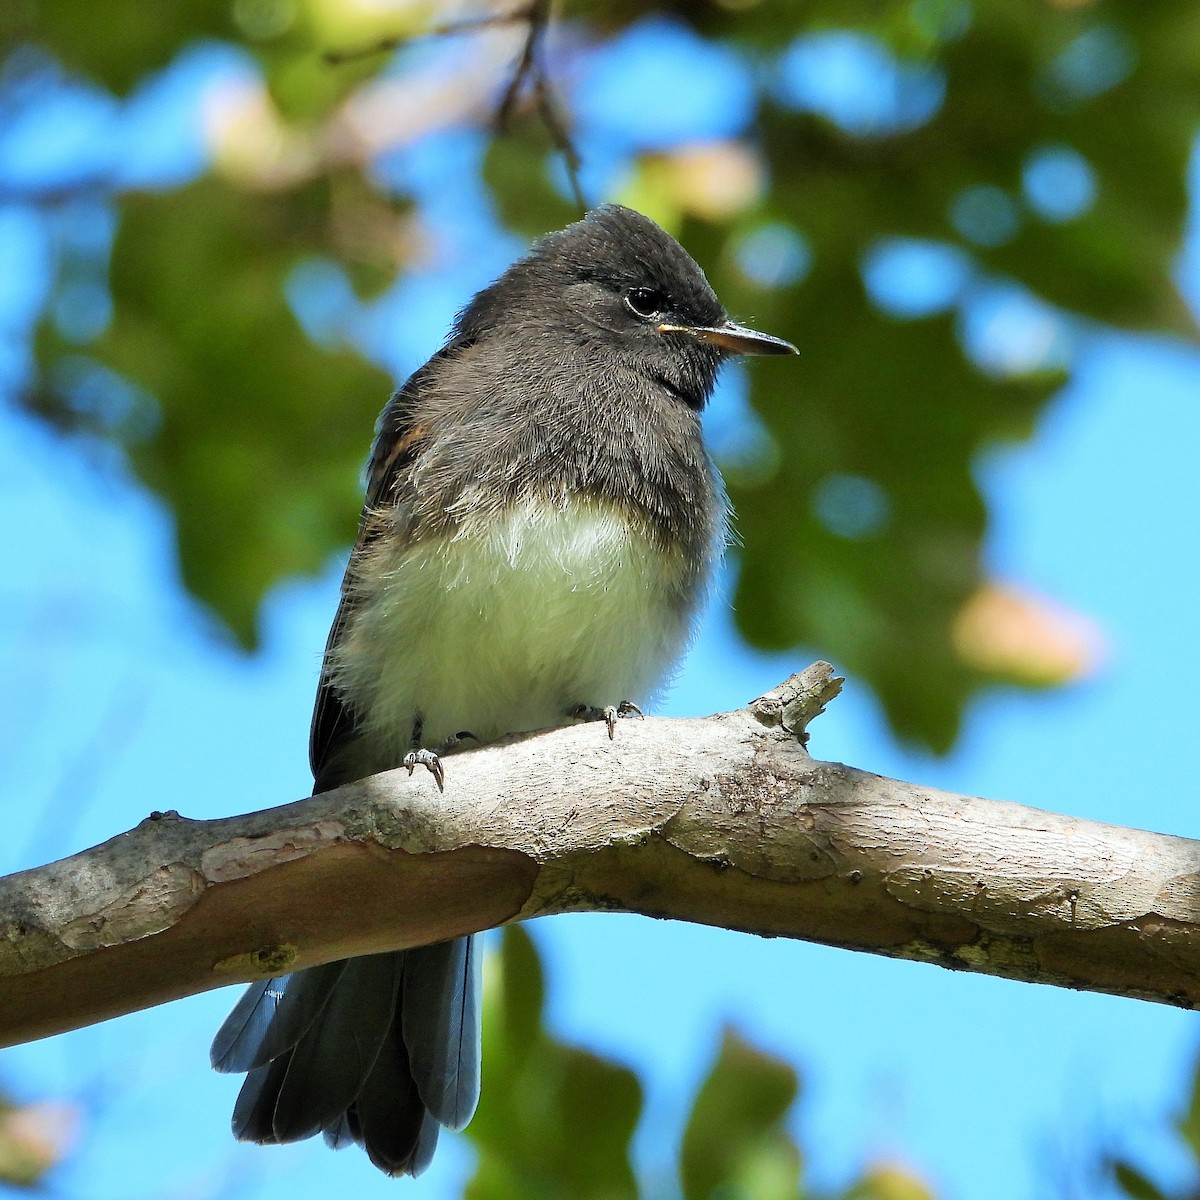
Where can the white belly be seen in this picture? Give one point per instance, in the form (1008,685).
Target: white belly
(509,626)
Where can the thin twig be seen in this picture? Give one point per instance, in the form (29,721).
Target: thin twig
(531,66)
(530,69)
(537,15)
(335,58)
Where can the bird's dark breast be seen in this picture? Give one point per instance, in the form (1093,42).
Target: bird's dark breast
(658,472)
(630,445)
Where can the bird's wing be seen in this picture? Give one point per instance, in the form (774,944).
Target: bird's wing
(398,442)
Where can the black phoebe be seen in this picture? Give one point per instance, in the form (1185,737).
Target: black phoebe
(541,519)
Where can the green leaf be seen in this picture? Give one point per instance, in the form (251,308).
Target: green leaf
(261,433)
(735,1145)
(887,1181)
(554,1120)
(1134,1184)
(908,418)
(1114,261)
(33,1140)
(116,43)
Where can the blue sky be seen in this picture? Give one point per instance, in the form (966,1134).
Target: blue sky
(112,679)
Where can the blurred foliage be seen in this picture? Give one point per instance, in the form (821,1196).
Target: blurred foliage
(736,1142)
(557,1122)
(859,515)
(200,321)
(113,43)
(553,1120)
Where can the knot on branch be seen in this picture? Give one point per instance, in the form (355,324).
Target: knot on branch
(798,700)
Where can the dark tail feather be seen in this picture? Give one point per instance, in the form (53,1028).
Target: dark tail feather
(360,1050)
(390,1114)
(328,1065)
(244,1028)
(440,1011)
(271,1017)
(254,1111)
(311,1084)
(344,1133)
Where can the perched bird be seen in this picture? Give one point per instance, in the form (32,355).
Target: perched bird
(541,519)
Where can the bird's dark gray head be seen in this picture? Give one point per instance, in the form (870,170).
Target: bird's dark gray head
(616,291)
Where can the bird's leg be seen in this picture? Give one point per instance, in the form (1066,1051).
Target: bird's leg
(608,714)
(431,760)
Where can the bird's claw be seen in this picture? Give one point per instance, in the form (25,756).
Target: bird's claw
(453,741)
(431,761)
(609,714)
(612,712)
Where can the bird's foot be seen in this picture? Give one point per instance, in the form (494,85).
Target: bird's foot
(431,760)
(609,714)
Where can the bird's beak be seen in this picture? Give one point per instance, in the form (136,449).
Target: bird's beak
(736,339)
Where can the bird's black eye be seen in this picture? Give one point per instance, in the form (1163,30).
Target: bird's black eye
(645,302)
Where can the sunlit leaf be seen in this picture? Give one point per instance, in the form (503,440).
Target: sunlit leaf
(33,1139)
(888,1181)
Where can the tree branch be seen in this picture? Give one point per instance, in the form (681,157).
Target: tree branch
(725,821)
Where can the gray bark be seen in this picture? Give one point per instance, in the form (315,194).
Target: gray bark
(724,820)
